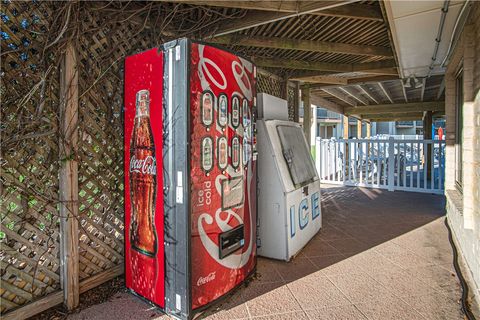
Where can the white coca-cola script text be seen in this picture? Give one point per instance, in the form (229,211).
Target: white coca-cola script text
(145,166)
(204,280)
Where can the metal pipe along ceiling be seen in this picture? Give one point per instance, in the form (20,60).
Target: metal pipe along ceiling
(461,19)
(438,39)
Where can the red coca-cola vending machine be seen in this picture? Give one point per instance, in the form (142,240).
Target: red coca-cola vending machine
(190,177)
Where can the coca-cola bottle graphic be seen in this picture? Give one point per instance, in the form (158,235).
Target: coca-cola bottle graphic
(143,173)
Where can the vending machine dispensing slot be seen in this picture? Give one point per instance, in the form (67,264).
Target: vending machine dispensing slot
(230,241)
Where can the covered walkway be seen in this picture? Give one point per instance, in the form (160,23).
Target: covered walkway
(380,255)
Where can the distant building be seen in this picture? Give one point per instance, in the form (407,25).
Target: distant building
(329,124)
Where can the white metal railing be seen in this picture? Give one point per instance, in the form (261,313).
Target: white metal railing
(398,136)
(391,164)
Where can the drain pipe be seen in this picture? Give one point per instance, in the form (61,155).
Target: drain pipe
(438,39)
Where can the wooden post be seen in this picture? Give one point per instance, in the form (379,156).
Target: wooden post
(307,112)
(68,178)
(296,103)
(359,129)
(345,126)
(427,135)
(368,128)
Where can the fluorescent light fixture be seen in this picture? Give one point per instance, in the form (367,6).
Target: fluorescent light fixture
(417,83)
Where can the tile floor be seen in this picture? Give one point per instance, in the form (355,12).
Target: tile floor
(380,255)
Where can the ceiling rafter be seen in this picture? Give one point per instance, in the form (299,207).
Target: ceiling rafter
(385,92)
(441,88)
(350,81)
(302,45)
(397,108)
(387,65)
(324,103)
(353,10)
(392,115)
(340,97)
(366,93)
(354,96)
(422,93)
(404,91)
(322,79)
(258,18)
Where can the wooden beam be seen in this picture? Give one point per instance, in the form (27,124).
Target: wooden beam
(385,92)
(352,11)
(380,71)
(102,277)
(56,298)
(397,108)
(368,127)
(68,178)
(280,6)
(359,129)
(441,88)
(355,11)
(367,94)
(386,65)
(324,103)
(269,74)
(396,118)
(322,79)
(362,81)
(35,307)
(372,79)
(394,115)
(404,91)
(354,96)
(302,45)
(340,97)
(422,94)
(307,116)
(258,18)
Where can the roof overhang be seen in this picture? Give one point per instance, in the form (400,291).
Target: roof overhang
(415,26)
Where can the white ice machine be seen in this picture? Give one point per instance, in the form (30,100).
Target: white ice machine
(289,209)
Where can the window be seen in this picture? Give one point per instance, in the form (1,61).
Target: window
(296,154)
(458,128)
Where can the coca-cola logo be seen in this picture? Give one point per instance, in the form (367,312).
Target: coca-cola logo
(203,280)
(144,166)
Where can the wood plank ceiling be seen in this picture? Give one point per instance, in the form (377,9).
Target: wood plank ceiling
(341,49)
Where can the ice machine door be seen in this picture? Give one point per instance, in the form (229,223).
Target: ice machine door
(296,154)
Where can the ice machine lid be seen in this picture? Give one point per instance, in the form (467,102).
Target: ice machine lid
(297,155)
(271,108)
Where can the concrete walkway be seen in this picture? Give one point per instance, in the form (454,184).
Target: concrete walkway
(380,255)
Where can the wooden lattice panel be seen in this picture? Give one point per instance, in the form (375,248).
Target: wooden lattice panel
(269,84)
(29,235)
(102,53)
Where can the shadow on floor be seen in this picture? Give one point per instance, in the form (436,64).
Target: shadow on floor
(379,255)
(339,268)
